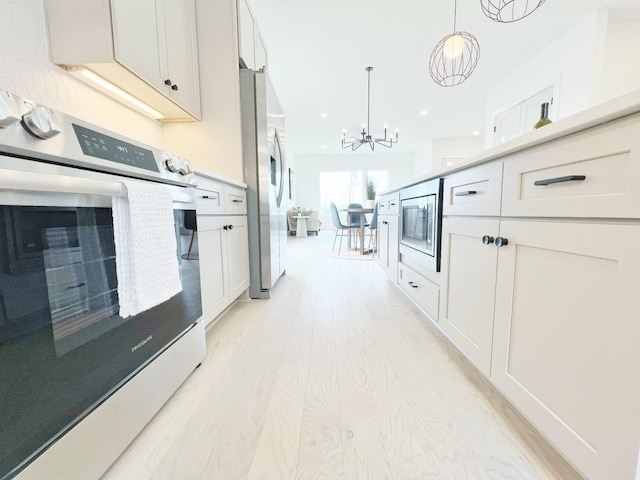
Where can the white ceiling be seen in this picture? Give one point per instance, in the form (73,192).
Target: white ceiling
(318,51)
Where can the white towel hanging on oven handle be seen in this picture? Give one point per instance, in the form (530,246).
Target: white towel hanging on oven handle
(146,250)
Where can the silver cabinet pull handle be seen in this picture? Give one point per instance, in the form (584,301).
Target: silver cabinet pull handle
(568,178)
(209,197)
(237,201)
(465,193)
(413,285)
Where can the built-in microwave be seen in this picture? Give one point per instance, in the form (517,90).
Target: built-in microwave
(421,221)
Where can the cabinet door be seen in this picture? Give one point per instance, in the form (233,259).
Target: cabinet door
(211,238)
(388,244)
(182,54)
(566,338)
(469,281)
(237,246)
(136,39)
(383,241)
(261,52)
(246,32)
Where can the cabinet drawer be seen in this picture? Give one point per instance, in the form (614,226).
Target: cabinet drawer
(475,191)
(424,292)
(209,197)
(389,204)
(235,201)
(594,173)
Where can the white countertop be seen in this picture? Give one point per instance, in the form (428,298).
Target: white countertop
(203,172)
(605,112)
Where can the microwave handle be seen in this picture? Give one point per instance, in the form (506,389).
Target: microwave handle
(44,182)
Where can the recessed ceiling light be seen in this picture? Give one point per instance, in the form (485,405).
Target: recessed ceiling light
(323,115)
(476,133)
(324,146)
(423,112)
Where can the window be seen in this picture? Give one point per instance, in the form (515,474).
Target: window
(343,188)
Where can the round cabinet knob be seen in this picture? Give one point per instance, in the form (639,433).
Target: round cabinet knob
(174,164)
(487,240)
(174,87)
(41,122)
(167,82)
(230,227)
(501,242)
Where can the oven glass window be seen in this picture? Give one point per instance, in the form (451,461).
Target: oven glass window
(63,346)
(418,223)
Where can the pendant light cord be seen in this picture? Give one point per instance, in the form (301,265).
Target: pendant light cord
(368,98)
(455,12)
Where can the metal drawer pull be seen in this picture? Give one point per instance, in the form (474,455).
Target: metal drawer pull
(568,178)
(237,201)
(392,204)
(464,194)
(207,197)
(413,284)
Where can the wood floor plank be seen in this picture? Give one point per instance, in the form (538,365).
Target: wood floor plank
(276,456)
(321,455)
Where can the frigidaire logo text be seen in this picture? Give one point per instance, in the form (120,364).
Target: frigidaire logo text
(141,343)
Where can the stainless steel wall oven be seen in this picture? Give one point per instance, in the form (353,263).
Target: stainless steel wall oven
(64,348)
(421,221)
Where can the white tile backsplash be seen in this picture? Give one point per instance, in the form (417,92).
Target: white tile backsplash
(25,69)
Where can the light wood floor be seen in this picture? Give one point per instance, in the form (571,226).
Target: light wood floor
(337,376)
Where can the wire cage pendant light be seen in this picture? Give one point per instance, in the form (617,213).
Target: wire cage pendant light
(507,11)
(455,57)
(355,143)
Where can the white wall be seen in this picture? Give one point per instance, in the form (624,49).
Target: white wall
(423,159)
(451,151)
(25,70)
(621,72)
(573,64)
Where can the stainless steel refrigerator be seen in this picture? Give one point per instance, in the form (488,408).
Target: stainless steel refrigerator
(265,174)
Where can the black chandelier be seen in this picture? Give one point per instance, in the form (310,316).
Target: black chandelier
(356,143)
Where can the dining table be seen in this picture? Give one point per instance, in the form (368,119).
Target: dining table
(361,211)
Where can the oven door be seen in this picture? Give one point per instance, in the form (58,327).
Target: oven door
(63,347)
(419,224)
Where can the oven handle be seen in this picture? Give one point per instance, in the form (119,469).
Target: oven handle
(39,182)
(45,182)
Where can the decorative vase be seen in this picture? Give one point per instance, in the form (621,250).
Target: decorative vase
(370,203)
(544,116)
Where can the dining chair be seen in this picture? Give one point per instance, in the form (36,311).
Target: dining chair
(373,228)
(354,220)
(190,224)
(341,229)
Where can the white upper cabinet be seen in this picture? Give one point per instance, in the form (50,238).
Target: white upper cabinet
(246,35)
(148,48)
(252,51)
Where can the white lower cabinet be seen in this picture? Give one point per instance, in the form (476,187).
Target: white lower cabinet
(468,286)
(550,316)
(565,343)
(388,244)
(224,261)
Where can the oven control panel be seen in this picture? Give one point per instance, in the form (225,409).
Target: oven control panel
(31,130)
